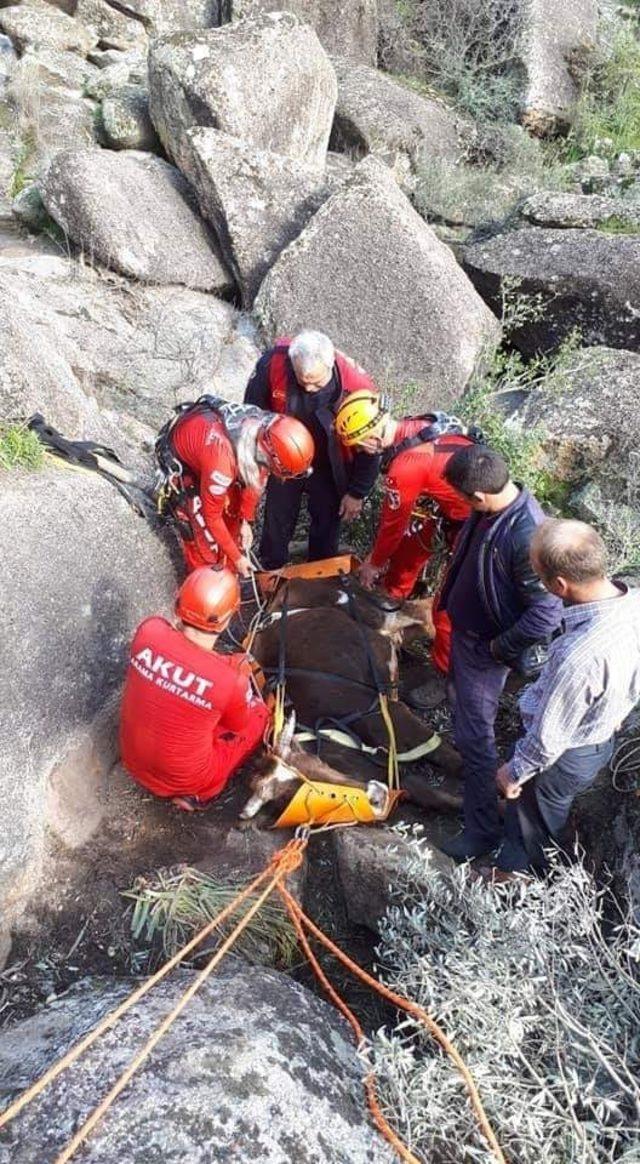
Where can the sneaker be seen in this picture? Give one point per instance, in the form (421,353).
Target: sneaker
(466,846)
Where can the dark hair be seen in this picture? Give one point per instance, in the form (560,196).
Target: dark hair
(569,549)
(477,469)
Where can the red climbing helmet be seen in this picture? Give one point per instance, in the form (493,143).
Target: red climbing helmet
(208,597)
(288,446)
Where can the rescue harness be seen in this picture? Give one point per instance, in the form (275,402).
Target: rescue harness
(90,457)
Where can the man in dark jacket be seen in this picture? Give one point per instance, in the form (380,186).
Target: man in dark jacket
(307,378)
(499,610)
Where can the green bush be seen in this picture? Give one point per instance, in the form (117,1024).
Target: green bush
(540,994)
(466,50)
(607,116)
(19,448)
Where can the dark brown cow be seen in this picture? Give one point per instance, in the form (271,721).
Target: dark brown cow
(329,675)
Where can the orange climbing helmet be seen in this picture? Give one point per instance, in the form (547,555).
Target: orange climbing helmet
(288,446)
(208,597)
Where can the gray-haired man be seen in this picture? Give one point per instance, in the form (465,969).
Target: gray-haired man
(307,378)
(587,688)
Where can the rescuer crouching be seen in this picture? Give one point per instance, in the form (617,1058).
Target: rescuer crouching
(190,716)
(214,458)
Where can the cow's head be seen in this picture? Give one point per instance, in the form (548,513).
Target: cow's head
(277,776)
(274,774)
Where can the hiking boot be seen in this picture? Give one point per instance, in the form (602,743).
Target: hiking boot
(465,846)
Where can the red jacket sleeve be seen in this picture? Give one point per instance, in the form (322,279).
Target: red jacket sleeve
(238,707)
(402,487)
(217,473)
(249,500)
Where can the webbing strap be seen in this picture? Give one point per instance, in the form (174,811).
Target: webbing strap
(346,740)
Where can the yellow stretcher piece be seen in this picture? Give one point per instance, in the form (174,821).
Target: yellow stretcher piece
(319,803)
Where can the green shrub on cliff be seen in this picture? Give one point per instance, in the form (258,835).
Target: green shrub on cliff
(19,447)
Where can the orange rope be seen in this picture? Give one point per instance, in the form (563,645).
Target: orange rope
(74,1053)
(283,863)
(369,1083)
(409,1007)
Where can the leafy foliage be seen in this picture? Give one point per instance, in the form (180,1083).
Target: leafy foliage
(466,50)
(172,906)
(543,1007)
(607,116)
(19,448)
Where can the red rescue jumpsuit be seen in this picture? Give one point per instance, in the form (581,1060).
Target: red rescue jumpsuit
(221,502)
(404,539)
(189,717)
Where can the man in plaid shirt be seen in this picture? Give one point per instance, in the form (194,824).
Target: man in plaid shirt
(589,685)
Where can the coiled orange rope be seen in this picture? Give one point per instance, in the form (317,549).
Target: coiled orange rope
(283,862)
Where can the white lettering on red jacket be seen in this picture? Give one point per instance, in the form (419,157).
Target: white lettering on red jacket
(169,674)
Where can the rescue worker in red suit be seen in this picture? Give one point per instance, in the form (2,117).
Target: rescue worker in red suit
(307,378)
(221,456)
(190,717)
(417,498)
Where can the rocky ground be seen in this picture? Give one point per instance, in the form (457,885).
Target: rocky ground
(180,182)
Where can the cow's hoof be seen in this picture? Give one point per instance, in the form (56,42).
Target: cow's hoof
(250,825)
(427,695)
(446,759)
(445,797)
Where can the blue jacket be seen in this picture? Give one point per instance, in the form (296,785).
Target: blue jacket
(512,595)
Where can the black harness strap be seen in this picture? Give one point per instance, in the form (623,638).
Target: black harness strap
(381,687)
(320,675)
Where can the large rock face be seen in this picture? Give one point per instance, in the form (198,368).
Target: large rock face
(111,27)
(369,272)
(78,574)
(256,1068)
(163,16)
(376,115)
(348,31)
(370,862)
(588,280)
(590,417)
(48,88)
(552,33)
(74,344)
(267,81)
(135,214)
(36,24)
(581,210)
(257,201)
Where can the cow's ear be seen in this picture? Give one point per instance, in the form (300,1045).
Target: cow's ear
(285,740)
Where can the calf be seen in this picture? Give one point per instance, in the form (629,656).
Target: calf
(328,676)
(391,617)
(276,777)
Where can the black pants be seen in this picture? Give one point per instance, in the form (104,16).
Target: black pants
(538,817)
(282,508)
(476,681)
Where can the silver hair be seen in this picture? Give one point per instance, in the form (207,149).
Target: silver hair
(310,348)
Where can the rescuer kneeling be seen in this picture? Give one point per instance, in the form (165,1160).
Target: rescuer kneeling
(190,716)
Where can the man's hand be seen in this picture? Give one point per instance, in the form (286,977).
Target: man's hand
(244,567)
(509,787)
(350,507)
(368,574)
(246,536)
